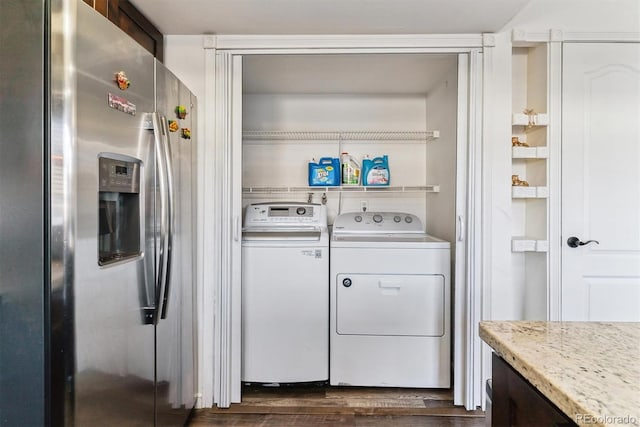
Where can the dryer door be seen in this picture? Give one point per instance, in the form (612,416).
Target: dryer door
(395,305)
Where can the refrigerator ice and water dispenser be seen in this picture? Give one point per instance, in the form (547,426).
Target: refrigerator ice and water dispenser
(118,209)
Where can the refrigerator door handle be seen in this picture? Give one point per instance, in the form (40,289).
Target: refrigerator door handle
(170,216)
(158,133)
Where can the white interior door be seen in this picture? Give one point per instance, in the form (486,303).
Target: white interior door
(228,209)
(601,181)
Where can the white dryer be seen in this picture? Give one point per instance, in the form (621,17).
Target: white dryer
(285,296)
(390,302)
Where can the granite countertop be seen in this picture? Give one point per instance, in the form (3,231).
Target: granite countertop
(589,370)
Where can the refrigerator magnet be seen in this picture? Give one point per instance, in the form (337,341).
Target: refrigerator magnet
(186,133)
(173,126)
(181,111)
(122,80)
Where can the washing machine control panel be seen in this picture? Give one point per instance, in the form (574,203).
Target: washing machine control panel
(285,214)
(377,222)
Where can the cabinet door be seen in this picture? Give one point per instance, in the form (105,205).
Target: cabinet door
(601,181)
(517,403)
(131,21)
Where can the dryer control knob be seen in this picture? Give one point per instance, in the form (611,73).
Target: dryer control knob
(357,218)
(408,219)
(346,282)
(301,211)
(377,218)
(397,218)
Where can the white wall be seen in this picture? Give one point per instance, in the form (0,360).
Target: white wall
(184,56)
(441,158)
(501,300)
(263,160)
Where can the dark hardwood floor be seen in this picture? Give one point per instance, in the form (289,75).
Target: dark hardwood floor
(311,406)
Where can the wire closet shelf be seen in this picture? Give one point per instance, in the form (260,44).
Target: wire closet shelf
(253,135)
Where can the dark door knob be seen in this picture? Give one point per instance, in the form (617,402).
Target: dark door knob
(574,242)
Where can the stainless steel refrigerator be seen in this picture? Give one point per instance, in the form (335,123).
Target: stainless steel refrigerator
(97,210)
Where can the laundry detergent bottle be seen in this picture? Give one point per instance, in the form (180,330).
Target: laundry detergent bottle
(376,171)
(350,170)
(324,173)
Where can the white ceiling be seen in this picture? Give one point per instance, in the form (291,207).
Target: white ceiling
(328,16)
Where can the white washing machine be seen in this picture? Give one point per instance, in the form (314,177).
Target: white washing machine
(390,303)
(285,295)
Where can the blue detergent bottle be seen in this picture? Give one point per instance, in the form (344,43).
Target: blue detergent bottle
(324,173)
(375,172)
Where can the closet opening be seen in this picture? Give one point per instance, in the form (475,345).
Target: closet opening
(298,109)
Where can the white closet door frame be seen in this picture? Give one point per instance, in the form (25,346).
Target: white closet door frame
(207,227)
(226,327)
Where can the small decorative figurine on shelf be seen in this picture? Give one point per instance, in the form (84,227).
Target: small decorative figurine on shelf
(181,111)
(122,80)
(516,182)
(173,126)
(532,117)
(515,142)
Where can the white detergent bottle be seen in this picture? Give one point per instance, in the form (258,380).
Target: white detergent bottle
(350,170)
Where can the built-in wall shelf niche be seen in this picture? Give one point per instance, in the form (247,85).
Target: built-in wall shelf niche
(530,178)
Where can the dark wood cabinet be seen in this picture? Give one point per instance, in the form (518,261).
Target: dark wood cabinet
(515,402)
(131,21)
